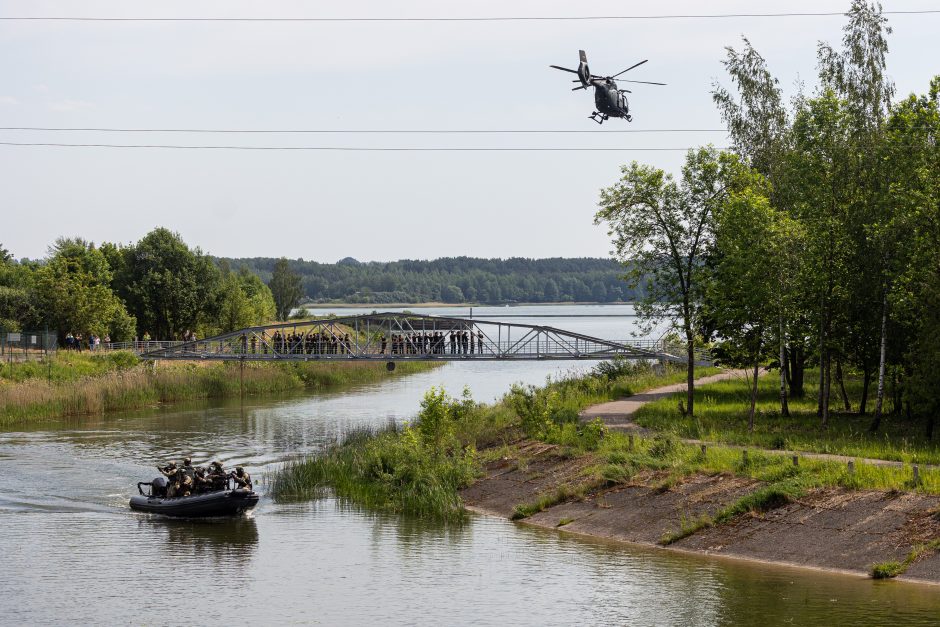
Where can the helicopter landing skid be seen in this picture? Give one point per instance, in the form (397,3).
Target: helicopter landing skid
(599,117)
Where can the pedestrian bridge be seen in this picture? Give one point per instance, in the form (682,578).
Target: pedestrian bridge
(392,337)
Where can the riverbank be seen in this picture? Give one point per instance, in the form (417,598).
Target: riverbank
(71,385)
(731,514)
(531,459)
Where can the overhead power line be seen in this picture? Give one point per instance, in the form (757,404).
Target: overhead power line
(345,148)
(515,18)
(361,131)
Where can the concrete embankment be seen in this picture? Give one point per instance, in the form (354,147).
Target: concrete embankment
(829,528)
(832,528)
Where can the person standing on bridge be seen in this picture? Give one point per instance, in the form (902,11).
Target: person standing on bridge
(479,342)
(453,342)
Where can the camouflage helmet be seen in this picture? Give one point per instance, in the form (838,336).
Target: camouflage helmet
(187,461)
(217,464)
(171,464)
(239,471)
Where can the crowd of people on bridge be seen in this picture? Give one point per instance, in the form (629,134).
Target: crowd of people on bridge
(456,342)
(321,343)
(435,343)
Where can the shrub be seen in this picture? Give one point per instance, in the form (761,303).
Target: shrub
(664,446)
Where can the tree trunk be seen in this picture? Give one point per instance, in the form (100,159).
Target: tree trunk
(822,373)
(797,370)
(784,407)
(841,381)
(827,380)
(880,398)
(866,381)
(750,421)
(896,393)
(690,378)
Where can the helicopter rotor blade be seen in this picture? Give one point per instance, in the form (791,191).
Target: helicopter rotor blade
(578,87)
(630,68)
(563,69)
(644,82)
(625,90)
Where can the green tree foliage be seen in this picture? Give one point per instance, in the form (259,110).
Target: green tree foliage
(452,294)
(73,293)
(479,280)
(663,231)
(285,286)
(169,287)
(17,299)
(244,301)
(857,74)
(834,172)
(753,258)
(760,130)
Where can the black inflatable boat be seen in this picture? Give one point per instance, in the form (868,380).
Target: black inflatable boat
(218,503)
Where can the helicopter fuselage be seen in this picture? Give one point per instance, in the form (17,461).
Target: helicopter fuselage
(609,101)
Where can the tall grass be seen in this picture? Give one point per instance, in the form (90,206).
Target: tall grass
(68,366)
(416,470)
(128,385)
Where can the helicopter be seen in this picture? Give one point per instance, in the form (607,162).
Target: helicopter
(608,99)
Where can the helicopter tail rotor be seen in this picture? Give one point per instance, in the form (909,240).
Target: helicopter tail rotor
(584,72)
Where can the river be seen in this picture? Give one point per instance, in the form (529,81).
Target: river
(71,552)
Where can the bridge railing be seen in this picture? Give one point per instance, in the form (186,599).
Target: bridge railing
(258,347)
(140,347)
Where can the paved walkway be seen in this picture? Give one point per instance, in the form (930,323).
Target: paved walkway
(618,416)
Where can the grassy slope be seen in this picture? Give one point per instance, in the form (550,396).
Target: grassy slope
(721,416)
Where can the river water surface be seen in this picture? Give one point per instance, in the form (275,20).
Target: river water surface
(71,552)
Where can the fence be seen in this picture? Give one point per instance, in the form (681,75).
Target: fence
(26,344)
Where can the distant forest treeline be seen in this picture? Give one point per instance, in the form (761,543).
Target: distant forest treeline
(454,280)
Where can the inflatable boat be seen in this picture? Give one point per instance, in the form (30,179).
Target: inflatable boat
(217,503)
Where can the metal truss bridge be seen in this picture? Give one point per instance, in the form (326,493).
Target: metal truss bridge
(392,337)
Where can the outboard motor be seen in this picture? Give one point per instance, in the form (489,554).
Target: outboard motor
(158,487)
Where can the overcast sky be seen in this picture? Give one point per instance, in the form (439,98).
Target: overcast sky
(346,76)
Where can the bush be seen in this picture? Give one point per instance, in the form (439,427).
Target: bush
(618,367)
(417,470)
(664,446)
